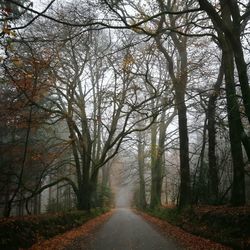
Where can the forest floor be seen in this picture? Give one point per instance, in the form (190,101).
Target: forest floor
(61,241)
(124,229)
(226,225)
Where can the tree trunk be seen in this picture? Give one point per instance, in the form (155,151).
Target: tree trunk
(213,181)
(227,26)
(234,120)
(199,188)
(94,190)
(180,82)
(7,209)
(84,197)
(155,197)
(142,195)
(185,189)
(166,191)
(106,174)
(232,17)
(230,8)
(243,77)
(156,184)
(7,201)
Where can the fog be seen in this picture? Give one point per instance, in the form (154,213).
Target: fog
(124,196)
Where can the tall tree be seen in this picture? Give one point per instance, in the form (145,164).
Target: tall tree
(141,167)
(97,109)
(225,25)
(213,180)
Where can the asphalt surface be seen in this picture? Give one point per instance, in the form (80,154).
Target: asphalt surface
(125,230)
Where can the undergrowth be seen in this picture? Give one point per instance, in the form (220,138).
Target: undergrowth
(23,232)
(227,226)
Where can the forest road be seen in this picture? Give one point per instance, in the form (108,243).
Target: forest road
(124,230)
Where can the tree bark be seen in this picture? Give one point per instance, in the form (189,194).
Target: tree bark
(227,27)
(180,83)
(142,195)
(155,198)
(185,189)
(234,120)
(213,181)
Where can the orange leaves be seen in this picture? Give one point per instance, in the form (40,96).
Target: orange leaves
(38,64)
(25,83)
(127,62)
(6,30)
(17,61)
(36,157)
(186,239)
(30,76)
(228,225)
(7,11)
(7,36)
(63,240)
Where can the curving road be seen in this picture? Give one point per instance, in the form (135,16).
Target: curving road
(125,230)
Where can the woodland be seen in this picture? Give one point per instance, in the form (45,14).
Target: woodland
(160,86)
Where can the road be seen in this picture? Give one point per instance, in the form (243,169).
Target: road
(124,230)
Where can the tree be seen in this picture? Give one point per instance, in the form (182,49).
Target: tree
(115,77)
(211,127)
(229,31)
(158,152)
(98,112)
(25,81)
(141,165)
(230,24)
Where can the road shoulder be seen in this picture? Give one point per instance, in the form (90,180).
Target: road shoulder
(60,242)
(187,240)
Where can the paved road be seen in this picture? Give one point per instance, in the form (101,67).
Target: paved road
(125,231)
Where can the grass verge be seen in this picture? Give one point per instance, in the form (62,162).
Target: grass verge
(23,232)
(225,225)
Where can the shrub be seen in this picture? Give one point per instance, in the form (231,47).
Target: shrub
(23,232)
(229,226)
(172,215)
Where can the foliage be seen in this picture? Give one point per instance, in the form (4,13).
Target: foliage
(184,238)
(10,11)
(172,215)
(22,232)
(105,196)
(68,239)
(227,225)
(105,85)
